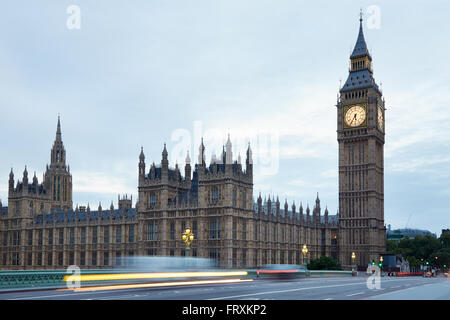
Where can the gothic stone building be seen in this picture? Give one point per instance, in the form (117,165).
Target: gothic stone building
(361,132)
(39,229)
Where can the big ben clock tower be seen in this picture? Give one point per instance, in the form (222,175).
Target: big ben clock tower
(361,132)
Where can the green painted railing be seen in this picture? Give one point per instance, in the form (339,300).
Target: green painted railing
(39,278)
(253,274)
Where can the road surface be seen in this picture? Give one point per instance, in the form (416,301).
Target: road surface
(352,288)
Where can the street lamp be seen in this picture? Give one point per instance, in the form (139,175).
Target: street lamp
(187,237)
(305,252)
(353,261)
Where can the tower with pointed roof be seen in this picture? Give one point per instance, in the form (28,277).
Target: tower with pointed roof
(57,178)
(360,135)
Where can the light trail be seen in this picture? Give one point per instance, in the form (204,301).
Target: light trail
(150,285)
(157,275)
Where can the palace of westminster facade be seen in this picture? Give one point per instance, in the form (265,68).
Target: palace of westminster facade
(40,230)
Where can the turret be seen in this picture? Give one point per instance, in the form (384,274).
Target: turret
(229,152)
(58,181)
(11,181)
(165,166)
(25,179)
(99,216)
(316,212)
(259,203)
(326,215)
(286,208)
(187,167)
(249,162)
(308,217)
(58,153)
(293,210)
(142,163)
(201,155)
(277,208)
(301,213)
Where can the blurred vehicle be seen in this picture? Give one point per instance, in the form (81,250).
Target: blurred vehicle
(281,271)
(166,264)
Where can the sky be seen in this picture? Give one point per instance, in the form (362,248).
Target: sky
(144,73)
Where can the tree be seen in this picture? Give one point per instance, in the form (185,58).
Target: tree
(324,263)
(422,249)
(391,247)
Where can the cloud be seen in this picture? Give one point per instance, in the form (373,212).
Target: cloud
(419,115)
(332,173)
(100,182)
(423,164)
(297,182)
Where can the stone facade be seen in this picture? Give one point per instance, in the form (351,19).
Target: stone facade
(361,132)
(39,229)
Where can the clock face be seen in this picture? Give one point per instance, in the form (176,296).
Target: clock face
(355,116)
(380,119)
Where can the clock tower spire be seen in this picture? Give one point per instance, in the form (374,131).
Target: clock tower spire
(360,135)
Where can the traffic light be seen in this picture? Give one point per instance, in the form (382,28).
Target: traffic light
(373,262)
(427,263)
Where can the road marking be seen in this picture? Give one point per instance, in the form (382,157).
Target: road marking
(362,282)
(354,294)
(288,290)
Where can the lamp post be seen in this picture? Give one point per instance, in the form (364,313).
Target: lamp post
(353,261)
(187,237)
(305,252)
(381,264)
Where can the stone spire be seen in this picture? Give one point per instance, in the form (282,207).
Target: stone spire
(25,176)
(188,159)
(201,154)
(249,155)
(165,155)
(58,153)
(360,49)
(58,129)
(229,152)
(142,162)
(187,167)
(11,180)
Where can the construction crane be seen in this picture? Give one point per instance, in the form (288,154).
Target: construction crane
(406,226)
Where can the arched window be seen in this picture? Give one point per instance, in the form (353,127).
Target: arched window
(215,195)
(152,200)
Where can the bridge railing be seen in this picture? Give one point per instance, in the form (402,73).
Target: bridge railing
(39,278)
